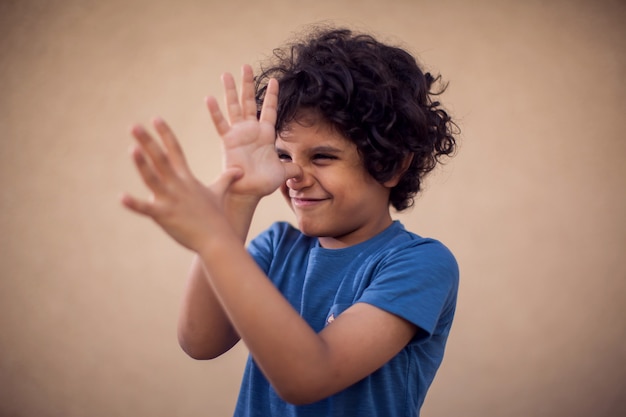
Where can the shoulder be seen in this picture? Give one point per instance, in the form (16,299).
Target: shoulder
(280,240)
(409,263)
(415,278)
(414,251)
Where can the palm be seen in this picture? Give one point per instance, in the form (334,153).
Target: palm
(249,143)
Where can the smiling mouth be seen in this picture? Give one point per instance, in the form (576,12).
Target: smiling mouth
(306,202)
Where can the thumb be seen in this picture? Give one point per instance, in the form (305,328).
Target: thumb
(225,180)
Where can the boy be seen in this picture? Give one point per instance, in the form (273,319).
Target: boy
(347,314)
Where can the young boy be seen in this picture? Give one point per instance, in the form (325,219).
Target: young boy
(347,314)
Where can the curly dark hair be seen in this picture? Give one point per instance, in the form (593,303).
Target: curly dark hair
(374,94)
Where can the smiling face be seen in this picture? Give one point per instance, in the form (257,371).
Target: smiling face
(334,198)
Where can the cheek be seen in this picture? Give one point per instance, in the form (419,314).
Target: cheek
(285,192)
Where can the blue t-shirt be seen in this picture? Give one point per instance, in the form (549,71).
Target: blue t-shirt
(398,271)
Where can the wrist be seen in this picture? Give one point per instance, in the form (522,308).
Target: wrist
(214,247)
(239,210)
(240,207)
(241,201)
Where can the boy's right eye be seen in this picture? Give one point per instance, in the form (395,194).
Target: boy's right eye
(283,156)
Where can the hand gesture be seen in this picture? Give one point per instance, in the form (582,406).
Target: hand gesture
(186,209)
(248,142)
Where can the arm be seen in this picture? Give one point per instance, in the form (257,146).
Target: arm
(303,366)
(204,330)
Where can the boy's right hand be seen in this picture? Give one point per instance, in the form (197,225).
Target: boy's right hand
(248,142)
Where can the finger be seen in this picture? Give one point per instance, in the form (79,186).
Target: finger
(225,180)
(174,150)
(233,108)
(138,206)
(149,177)
(221,124)
(270,102)
(248,101)
(153,151)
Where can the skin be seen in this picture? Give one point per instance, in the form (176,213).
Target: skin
(333,197)
(227,296)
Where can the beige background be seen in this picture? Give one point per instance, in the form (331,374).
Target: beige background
(533,205)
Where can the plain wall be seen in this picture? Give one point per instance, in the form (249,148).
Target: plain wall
(533,205)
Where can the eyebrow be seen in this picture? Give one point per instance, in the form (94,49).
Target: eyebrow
(317,149)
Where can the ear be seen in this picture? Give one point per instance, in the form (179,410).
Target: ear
(393,181)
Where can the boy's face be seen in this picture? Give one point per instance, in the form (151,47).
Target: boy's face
(334,198)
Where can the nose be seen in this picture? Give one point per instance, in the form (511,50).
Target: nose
(301,180)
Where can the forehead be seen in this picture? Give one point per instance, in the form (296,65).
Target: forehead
(311,133)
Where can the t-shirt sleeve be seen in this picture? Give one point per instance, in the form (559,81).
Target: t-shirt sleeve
(418,283)
(261,247)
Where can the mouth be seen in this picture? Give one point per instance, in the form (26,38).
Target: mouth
(300,202)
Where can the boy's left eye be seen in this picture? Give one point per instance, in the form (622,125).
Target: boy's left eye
(323,156)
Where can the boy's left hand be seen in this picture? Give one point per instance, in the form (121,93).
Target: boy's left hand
(185,208)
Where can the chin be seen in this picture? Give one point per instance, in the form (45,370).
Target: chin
(316,230)
(307,229)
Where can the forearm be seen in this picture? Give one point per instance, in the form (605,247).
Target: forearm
(239,211)
(204,331)
(292,356)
